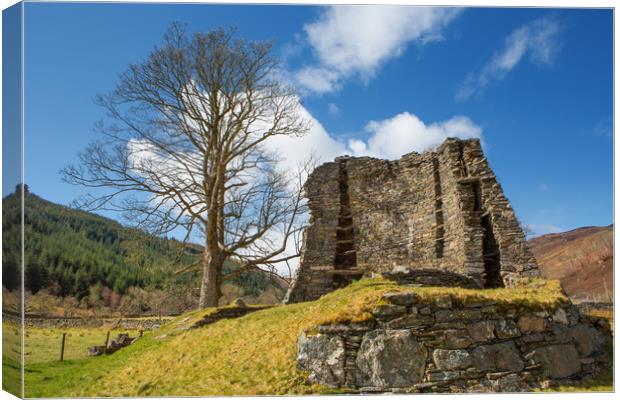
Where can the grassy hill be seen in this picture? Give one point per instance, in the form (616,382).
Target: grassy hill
(582,259)
(251,355)
(83,255)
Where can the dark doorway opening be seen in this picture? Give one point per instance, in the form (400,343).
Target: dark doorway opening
(345,261)
(490,252)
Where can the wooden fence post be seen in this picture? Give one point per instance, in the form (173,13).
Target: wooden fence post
(107,339)
(140,332)
(62,347)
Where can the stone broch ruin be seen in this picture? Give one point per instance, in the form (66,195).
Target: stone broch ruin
(441,214)
(441,219)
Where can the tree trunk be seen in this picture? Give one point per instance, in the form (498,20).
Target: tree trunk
(210,292)
(213,261)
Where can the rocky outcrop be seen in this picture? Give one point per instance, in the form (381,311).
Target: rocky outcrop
(452,345)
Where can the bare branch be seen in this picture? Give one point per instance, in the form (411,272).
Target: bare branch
(185,145)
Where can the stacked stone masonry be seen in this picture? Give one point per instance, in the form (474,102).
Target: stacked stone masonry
(442,210)
(441,346)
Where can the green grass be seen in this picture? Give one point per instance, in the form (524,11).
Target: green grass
(251,355)
(11,376)
(11,358)
(43,344)
(11,342)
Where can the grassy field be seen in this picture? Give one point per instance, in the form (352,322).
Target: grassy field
(11,343)
(251,355)
(43,344)
(11,358)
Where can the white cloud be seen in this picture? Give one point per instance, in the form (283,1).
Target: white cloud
(317,142)
(539,38)
(317,79)
(544,43)
(541,229)
(389,139)
(333,109)
(405,132)
(357,40)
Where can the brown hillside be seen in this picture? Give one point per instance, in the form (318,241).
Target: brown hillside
(582,259)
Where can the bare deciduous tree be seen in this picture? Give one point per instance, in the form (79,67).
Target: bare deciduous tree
(187,148)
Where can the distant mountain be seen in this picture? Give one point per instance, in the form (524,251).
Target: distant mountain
(69,251)
(582,259)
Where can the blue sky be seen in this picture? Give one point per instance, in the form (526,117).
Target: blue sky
(11,89)
(534,84)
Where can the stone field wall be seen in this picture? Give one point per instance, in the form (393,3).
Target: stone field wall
(442,210)
(125,323)
(444,346)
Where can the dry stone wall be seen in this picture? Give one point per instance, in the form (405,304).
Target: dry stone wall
(441,211)
(123,323)
(412,345)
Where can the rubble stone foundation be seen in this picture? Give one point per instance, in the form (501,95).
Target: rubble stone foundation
(442,345)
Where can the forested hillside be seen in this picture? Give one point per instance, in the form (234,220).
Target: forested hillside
(73,253)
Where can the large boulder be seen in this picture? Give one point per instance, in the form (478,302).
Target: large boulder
(497,357)
(558,360)
(451,359)
(587,339)
(323,356)
(390,359)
